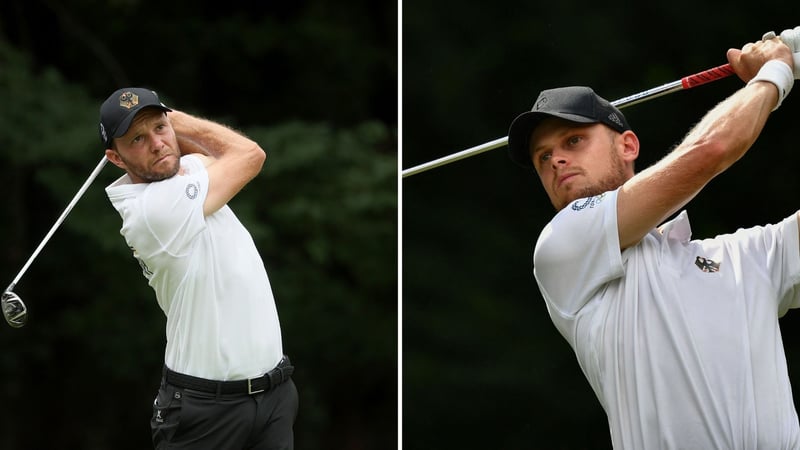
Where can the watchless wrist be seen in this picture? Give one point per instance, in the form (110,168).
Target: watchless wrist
(779,74)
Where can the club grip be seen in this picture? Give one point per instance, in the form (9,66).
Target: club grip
(706,76)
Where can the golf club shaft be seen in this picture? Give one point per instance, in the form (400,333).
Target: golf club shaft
(686,82)
(71,204)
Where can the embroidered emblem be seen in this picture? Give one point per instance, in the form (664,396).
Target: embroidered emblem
(590,202)
(540,104)
(128,100)
(191,190)
(706,265)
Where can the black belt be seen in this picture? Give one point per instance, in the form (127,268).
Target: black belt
(282,372)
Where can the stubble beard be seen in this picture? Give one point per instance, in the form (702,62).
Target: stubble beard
(614,179)
(150,176)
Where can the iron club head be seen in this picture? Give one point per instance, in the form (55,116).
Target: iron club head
(14,309)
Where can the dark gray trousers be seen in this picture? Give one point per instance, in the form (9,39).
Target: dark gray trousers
(190,419)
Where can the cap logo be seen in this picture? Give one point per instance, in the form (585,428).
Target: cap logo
(540,104)
(128,100)
(614,118)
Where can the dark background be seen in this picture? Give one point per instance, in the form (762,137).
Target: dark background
(315,83)
(482,365)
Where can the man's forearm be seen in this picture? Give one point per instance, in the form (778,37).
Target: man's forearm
(196,135)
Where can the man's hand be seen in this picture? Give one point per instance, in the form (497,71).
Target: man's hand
(747,61)
(790,37)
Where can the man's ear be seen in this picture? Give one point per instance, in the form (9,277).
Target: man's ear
(630,149)
(113,156)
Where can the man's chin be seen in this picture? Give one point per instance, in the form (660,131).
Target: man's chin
(171,173)
(160,176)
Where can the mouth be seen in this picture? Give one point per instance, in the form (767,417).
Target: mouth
(161,159)
(563,178)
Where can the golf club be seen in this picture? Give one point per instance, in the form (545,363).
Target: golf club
(14,309)
(687,82)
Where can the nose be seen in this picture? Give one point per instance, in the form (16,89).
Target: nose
(156,143)
(558,158)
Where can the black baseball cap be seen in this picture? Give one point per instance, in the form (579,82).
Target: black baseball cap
(119,109)
(574,103)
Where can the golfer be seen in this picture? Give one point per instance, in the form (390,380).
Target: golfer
(678,338)
(226,383)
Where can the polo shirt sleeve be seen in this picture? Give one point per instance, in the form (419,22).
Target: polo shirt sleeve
(172,209)
(788,253)
(577,253)
(768,258)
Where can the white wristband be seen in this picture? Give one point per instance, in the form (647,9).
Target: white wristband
(796,58)
(778,73)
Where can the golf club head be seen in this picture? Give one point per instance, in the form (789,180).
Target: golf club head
(14,310)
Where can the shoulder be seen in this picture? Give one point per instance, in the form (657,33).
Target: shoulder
(581,238)
(204,159)
(581,222)
(192,160)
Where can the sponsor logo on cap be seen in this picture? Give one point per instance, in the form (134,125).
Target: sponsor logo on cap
(615,118)
(128,100)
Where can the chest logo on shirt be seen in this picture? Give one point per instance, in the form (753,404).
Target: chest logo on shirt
(192,189)
(706,264)
(590,202)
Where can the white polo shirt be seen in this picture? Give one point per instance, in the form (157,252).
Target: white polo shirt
(208,277)
(679,338)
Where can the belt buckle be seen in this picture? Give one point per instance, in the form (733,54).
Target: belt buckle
(250,390)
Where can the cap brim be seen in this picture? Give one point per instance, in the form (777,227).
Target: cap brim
(123,126)
(519,134)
